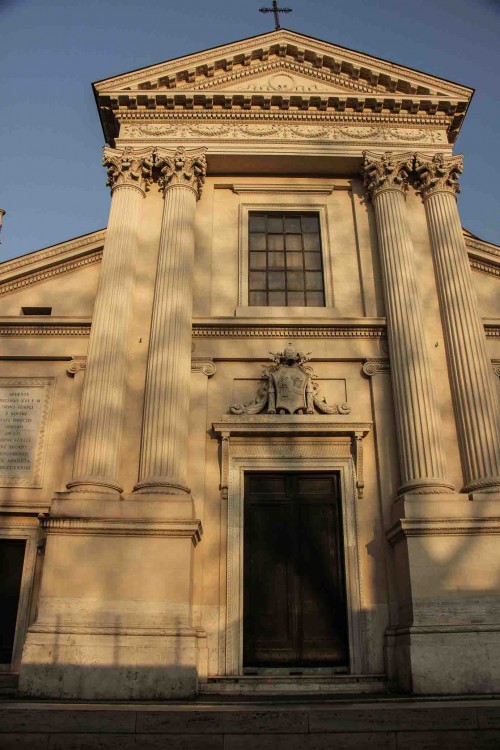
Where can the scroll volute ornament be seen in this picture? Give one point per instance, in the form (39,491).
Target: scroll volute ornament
(183,167)
(387,171)
(128,167)
(438,173)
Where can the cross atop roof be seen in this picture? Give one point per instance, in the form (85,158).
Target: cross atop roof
(276,12)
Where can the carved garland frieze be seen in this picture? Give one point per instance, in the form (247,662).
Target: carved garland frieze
(289,388)
(283,131)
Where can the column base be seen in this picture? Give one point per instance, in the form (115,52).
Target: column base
(163,486)
(431,486)
(94,486)
(61,664)
(488,485)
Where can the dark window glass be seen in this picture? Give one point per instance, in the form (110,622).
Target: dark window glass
(286,266)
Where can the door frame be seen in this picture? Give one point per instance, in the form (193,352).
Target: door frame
(308,454)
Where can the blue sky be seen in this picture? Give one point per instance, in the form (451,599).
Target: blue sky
(52,184)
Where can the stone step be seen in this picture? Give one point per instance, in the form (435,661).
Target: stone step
(308,723)
(295,685)
(8,685)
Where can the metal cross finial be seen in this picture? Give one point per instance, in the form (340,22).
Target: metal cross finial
(276,12)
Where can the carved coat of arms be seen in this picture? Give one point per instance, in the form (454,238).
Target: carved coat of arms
(289,388)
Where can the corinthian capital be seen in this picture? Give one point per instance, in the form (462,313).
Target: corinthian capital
(387,171)
(438,173)
(185,167)
(129,167)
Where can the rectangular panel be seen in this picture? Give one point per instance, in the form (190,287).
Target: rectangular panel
(24,411)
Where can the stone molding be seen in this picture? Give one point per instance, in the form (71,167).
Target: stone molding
(313,127)
(283,188)
(437,173)
(388,171)
(205,365)
(37,276)
(205,330)
(128,168)
(418,527)
(333,329)
(54,251)
(376,365)
(316,452)
(489,268)
(288,424)
(182,168)
(122,527)
(76,364)
(54,328)
(288,47)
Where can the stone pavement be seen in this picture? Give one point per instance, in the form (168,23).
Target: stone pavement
(264,724)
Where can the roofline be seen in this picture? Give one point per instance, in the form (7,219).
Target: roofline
(49,247)
(306,36)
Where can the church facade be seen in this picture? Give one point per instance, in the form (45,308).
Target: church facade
(251,430)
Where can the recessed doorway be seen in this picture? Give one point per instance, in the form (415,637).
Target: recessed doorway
(294,603)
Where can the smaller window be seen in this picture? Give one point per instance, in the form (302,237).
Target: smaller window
(285,260)
(36,310)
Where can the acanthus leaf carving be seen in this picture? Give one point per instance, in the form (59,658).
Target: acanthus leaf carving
(182,167)
(388,171)
(128,167)
(289,388)
(438,173)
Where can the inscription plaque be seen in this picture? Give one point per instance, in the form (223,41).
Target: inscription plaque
(24,410)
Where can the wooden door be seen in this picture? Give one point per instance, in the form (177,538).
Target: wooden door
(294,590)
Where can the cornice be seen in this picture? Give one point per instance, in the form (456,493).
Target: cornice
(87,242)
(284,44)
(355,102)
(50,271)
(373,328)
(474,243)
(124,527)
(33,326)
(289,424)
(408,527)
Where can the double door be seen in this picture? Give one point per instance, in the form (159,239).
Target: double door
(294,583)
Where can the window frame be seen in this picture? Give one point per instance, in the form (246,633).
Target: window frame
(244,249)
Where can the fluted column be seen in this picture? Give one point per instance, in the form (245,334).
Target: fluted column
(101,411)
(164,450)
(477,407)
(421,455)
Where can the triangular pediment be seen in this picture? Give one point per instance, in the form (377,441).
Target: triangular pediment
(282,52)
(283,78)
